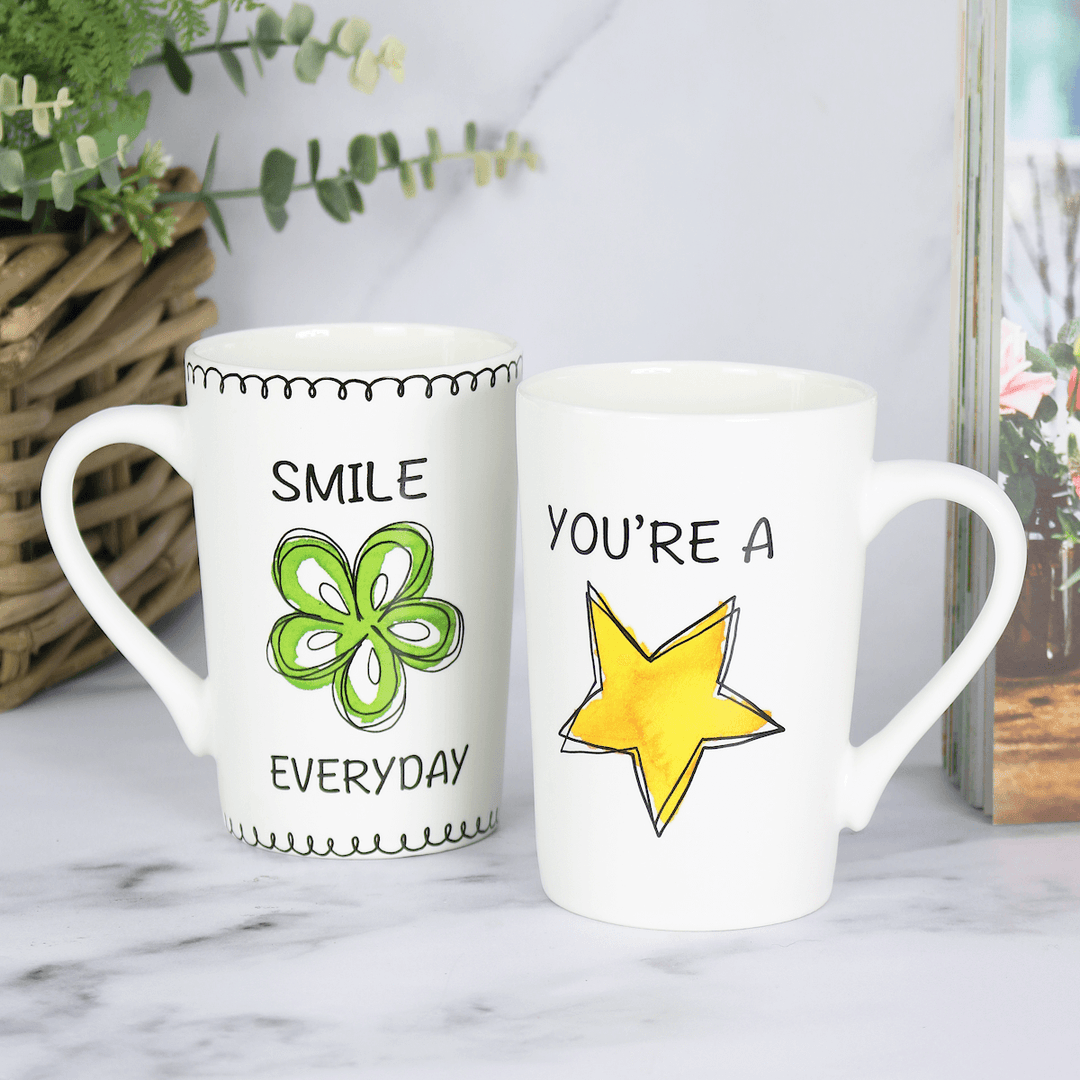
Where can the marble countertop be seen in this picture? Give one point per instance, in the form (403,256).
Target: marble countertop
(141,940)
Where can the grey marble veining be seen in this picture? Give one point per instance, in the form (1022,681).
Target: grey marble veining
(139,939)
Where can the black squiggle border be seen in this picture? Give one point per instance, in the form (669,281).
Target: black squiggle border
(473,380)
(404,847)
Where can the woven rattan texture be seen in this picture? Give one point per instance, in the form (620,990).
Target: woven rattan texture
(83,326)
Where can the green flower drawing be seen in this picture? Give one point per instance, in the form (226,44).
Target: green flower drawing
(357,629)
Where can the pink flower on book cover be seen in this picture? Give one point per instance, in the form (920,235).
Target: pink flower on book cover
(1021,389)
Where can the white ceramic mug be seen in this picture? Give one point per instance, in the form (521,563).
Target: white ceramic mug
(354,501)
(694,542)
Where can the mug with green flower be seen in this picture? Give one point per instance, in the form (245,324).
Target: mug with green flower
(358,628)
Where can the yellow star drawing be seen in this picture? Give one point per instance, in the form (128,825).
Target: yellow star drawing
(664,708)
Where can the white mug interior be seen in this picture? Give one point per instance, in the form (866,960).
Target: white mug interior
(703,387)
(352,347)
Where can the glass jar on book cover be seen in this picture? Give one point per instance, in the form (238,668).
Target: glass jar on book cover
(1040,467)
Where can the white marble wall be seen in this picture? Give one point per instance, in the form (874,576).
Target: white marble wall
(765,180)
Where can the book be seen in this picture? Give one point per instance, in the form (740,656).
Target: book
(1011,742)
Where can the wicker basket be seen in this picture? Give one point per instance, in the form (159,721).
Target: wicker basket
(84,326)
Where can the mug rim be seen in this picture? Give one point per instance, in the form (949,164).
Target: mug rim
(533,388)
(209,350)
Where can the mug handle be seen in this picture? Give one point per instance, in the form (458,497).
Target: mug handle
(893,486)
(163,429)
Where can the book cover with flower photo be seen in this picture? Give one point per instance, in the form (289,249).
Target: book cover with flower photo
(1012,743)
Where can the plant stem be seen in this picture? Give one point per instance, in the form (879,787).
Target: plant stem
(200,49)
(239,193)
(247,193)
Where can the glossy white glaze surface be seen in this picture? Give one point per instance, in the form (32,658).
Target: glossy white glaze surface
(742,770)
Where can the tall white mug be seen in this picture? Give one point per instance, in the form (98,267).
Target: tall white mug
(694,542)
(354,500)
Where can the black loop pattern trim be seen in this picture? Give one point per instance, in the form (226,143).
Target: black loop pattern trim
(470,380)
(307,846)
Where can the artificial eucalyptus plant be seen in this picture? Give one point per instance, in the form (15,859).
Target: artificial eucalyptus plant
(68,118)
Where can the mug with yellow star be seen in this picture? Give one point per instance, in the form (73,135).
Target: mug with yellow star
(694,538)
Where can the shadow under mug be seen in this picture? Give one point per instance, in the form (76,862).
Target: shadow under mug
(694,540)
(354,491)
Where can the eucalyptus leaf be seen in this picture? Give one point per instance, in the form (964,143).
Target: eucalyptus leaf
(427,173)
(29,200)
(408,180)
(222,19)
(268,32)
(309,60)
(434,145)
(333,198)
(276,177)
(9,92)
(364,72)
(313,158)
(298,23)
(350,36)
(482,167)
(332,41)
(276,215)
(40,119)
(109,172)
(470,136)
(176,66)
(231,63)
(253,48)
(352,192)
(211,164)
(214,214)
(12,170)
(364,158)
(391,150)
(88,151)
(69,156)
(63,190)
